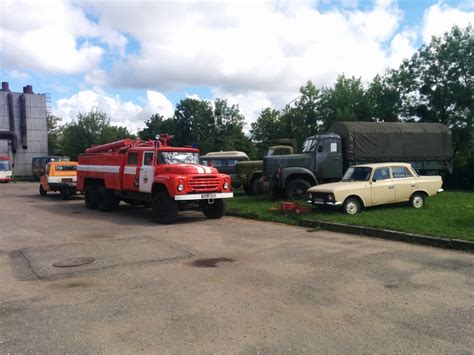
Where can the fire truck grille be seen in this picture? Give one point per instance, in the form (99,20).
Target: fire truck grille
(204,183)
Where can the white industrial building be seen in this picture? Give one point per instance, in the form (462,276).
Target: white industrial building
(23,127)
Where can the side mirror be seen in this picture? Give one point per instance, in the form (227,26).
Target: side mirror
(374,180)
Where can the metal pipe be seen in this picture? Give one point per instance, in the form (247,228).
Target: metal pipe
(9,136)
(110,146)
(11,118)
(23,129)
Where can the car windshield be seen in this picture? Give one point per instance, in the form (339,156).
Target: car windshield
(66,167)
(178,158)
(357,174)
(4,165)
(309,145)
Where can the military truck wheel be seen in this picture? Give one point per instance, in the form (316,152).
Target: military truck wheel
(163,208)
(64,193)
(417,200)
(42,191)
(296,189)
(214,210)
(254,188)
(90,199)
(105,199)
(352,206)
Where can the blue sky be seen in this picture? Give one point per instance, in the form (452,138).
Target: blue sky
(131,59)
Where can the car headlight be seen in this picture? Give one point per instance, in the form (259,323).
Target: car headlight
(226,185)
(331,197)
(180,187)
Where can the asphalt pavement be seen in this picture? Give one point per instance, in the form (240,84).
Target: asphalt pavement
(217,286)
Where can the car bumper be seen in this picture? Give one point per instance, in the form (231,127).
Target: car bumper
(204,196)
(320,203)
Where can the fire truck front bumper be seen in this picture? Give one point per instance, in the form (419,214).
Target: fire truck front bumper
(206,196)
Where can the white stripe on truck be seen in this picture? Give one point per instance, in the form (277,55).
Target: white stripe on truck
(99,168)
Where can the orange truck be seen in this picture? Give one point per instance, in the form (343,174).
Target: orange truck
(60,176)
(151,173)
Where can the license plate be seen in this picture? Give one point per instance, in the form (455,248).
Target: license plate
(66,180)
(318,200)
(207,196)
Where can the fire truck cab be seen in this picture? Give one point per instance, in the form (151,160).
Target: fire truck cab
(153,174)
(5,169)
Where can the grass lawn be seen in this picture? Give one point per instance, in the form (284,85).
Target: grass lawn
(446,215)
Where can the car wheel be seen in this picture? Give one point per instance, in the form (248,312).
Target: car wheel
(296,189)
(352,206)
(42,191)
(90,199)
(163,208)
(417,200)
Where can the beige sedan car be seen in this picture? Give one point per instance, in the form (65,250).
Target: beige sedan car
(376,184)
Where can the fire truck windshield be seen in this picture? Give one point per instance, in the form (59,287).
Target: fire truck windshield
(178,158)
(4,165)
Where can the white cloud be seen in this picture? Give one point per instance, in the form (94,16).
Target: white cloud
(402,47)
(271,46)
(53,36)
(121,113)
(16,74)
(440,18)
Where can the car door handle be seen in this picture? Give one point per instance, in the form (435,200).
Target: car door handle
(391,187)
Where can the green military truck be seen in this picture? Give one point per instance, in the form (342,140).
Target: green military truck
(325,157)
(226,163)
(250,173)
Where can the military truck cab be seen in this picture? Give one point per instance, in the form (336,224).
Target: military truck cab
(320,160)
(225,162)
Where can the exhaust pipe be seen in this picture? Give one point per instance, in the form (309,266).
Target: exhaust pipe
(24,143)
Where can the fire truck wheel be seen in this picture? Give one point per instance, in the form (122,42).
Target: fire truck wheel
(90,199)
(105,199)
(163,208)
(42,191)
(214,210)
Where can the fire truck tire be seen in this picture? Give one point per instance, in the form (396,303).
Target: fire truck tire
(215,210)
(90,198)
(42,191)
(64,193)
(163,208)
(105,199)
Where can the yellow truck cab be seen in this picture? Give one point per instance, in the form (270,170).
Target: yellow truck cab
(60,176)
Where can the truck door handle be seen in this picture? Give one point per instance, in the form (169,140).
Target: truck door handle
(391,187)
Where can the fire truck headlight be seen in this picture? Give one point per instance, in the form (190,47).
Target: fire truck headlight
(226,185)
(180,187)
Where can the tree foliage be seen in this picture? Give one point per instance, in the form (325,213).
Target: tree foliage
(55,146)
(89,129)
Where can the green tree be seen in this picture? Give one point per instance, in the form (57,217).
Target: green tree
(385,99)
(156,124)
(54,135)
(268,126)
(438,84)
(91,128)
(346,101)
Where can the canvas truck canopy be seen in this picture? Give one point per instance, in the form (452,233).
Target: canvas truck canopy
(392,141)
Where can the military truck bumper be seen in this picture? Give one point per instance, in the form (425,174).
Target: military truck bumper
(204,196)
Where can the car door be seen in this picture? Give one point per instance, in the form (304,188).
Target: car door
(405,183)
(381,187)
(131,172)
(147,172)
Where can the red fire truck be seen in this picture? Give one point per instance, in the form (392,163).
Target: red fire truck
(151,173)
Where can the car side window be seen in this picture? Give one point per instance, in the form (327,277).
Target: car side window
(400,172)
(132,158)
(148,158)
(381,174)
